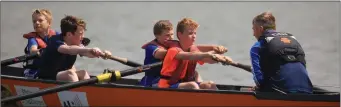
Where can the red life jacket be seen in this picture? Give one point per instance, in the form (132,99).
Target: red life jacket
(40,41)
(167,44)
(174,71)
(190,74)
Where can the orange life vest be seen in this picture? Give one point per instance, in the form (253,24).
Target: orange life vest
(40,41)
(174,71)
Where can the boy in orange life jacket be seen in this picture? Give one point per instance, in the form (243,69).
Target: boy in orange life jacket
(37,40)
(156,50)
(180,61)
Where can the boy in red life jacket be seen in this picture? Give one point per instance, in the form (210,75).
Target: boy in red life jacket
(156,50)
(37,40)
(180,61)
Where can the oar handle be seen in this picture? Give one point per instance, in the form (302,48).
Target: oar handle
(19,59)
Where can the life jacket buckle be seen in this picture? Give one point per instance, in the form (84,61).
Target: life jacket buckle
(291,58)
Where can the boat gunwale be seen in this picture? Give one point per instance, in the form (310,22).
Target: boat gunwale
(257,95)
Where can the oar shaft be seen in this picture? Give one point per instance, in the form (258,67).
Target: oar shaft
(116,75)
(139,69)
(133,64)
(124,61)
(242,66)
(19,59)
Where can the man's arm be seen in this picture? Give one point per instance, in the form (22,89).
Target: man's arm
(256,70)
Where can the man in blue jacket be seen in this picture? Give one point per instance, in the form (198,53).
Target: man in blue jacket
(278,60)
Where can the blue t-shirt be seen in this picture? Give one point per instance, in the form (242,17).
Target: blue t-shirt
(152,76)
(54,61)
(150,50)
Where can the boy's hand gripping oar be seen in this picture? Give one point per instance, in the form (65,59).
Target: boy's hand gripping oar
(111,76)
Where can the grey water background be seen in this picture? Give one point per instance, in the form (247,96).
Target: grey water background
(123,27)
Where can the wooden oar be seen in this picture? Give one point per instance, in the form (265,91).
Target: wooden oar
(85,42)
(124,61)
(235,64)
(112,75)
(242,66)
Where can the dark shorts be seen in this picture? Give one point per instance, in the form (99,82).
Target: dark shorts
(47,76)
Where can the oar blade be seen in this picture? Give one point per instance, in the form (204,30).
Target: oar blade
(86,41)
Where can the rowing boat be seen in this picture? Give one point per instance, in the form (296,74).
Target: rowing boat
(127,92)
